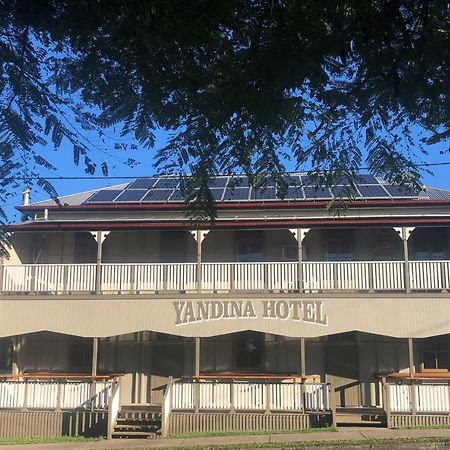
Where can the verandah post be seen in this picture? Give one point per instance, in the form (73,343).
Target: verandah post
(100,237)
(299,234)
(302,373)
(197,375)
(98,276)
(199,261)
(405,234)
(268,399)
(199,236)
(94,370)
(387,403)
(412,375)
(2,263)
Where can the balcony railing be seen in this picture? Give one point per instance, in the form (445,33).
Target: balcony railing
(309,277)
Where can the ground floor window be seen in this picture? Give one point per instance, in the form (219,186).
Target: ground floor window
(436,352)
(6,350)
(249,350)
(81,354)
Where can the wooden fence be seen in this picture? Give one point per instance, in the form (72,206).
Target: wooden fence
(417,403)
(221,406)
(248,396)
(51,395)
(44,407)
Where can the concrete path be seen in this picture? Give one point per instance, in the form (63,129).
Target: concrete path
(343,434)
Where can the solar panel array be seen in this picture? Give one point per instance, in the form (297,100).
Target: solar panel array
(237,189)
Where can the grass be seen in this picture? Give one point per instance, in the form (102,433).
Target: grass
(248,433)
(44,440)
(426,427)
(387,443)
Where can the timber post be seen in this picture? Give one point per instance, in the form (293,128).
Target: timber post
(94,371)
(299,235)
(412,373)
(405,234)
(197,375)
(100,237)
(2,263)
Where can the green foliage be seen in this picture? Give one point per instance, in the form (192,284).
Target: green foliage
(241,86)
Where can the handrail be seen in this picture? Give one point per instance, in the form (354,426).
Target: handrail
(57,376)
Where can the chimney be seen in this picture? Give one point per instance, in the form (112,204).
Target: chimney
(26,197)
(25,202)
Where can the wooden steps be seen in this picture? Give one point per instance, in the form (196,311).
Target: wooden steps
(137,423)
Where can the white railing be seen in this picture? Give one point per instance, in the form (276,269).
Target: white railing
(432,275)
(428,397)
(17,394)
(250,396)
(277,276)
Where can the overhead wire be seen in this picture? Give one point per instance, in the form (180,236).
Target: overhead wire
(129,177)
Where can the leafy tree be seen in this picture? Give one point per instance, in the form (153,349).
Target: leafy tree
(241,85)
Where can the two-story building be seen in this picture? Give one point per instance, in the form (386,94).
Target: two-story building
(120,315)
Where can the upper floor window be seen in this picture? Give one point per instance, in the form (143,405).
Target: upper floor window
(250,247)
(430,244)
(85,249)
(290,253)
(338,245)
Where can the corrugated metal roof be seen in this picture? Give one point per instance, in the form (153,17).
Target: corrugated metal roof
(77,198)
(432,193)
(365,188)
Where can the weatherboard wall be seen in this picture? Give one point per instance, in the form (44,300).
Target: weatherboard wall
(307,315)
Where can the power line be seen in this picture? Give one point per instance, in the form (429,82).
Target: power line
(132,177)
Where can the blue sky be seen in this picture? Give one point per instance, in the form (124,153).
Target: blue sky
(63,160)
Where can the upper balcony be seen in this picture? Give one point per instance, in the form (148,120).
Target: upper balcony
(314,261)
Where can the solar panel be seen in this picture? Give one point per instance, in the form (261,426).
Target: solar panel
(105,195)
(317,192)
(310,180)
(292,180)
(217,194)
(157,195)
(142,183)
(167,183)
(365,179)
(264,194)
(234,194)
(176,196)
(400,191)
(294,193)
(372,191)
(131,195)
(268,182)
(239,181)
(343,191)
(218,182)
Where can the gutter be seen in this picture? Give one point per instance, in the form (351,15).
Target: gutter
(230,224)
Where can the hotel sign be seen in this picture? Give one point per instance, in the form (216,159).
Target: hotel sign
(310,311)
